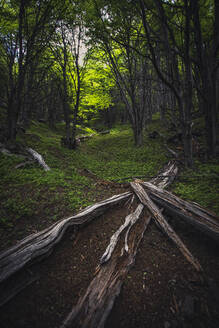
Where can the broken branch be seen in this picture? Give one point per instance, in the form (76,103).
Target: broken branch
(157,215)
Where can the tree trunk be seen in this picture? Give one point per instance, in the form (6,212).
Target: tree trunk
(41,243)
(207,59)
(137,135)
(77,103)
(210,116)
(158,217)
(95,305)
(11,122)
(192,213)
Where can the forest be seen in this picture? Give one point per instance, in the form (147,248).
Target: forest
(109,163)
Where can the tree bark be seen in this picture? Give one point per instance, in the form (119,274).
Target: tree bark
(158,217)
(41,243)
(95,305)
(38,158)
(192,213)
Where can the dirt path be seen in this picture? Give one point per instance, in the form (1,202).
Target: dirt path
(162,290)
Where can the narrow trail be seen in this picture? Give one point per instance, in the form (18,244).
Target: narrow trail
(161,290)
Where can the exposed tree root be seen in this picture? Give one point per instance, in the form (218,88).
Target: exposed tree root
(95,305)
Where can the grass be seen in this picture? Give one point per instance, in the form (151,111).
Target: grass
(30,196)
(200,184)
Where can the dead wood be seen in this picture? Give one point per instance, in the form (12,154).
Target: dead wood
(130,220)
(5,152)
(200,218)
(157,215)
(164,178)
(85,137)
(38,158)
(38,244)
(95,305)
(104,132)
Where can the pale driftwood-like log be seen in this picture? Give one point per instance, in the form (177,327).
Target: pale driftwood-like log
(5,152)
(130,220)
(157,215)
(95,305)
(43,242)
(192,213)
(164,178)
(85,137)
(38,158)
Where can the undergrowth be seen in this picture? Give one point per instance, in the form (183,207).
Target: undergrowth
(32,198)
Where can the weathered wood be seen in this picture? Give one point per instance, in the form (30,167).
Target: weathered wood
(95,305)
(38,158)
(130,220)
(104,132)
(200,218)
(157,215)
(41,243)
(166,176)
(85,137)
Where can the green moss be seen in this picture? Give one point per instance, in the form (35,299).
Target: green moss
(30,193)
(200,185)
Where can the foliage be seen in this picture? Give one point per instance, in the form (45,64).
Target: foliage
(194,185)
(98,85)
(31,197)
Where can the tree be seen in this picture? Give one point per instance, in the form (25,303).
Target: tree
(99,85)
(26,29)
(67,51)
(118,32)
(206,50)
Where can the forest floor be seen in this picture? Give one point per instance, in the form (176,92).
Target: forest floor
(161,289)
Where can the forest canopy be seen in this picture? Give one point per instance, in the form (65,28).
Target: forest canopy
(90,60)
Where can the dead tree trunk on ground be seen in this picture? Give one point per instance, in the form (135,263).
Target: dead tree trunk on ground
(38,158)
(95,305)
(41,243)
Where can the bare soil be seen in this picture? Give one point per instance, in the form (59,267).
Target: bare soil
(161,289)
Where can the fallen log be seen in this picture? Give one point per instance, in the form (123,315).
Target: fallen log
(38,158)
(192,213)
(95,305)
(130,220)
(157,215)
(85,137)
(104,132)
(38,244)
